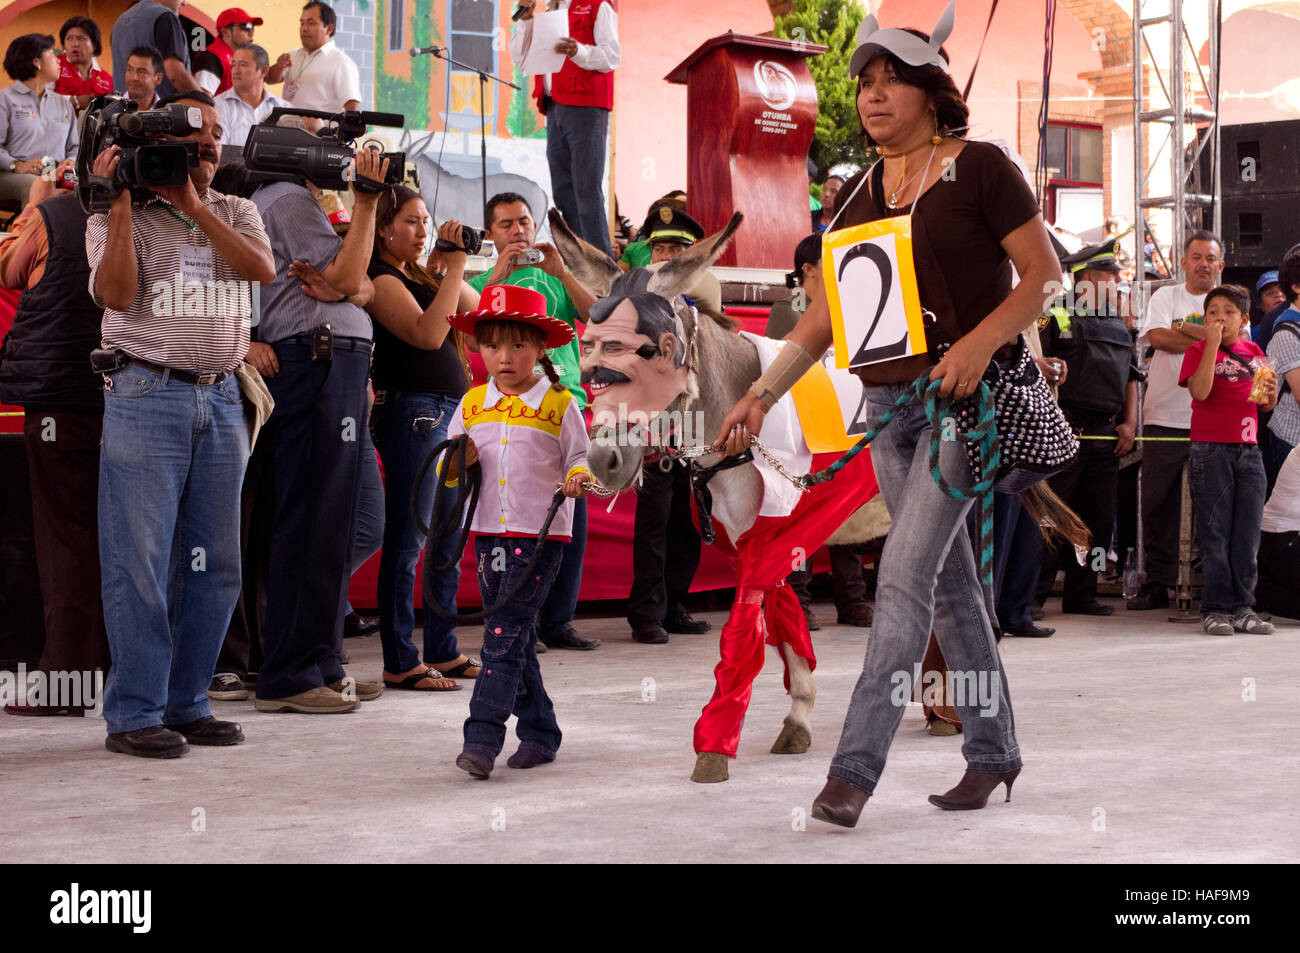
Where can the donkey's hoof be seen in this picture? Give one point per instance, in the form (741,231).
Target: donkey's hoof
(943,729)
(793,739)
(710,767)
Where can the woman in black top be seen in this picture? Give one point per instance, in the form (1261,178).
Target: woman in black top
(972,217)
(420,374)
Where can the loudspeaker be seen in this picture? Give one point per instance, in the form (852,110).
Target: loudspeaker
(1259,157)
(22,624)
(1258,229)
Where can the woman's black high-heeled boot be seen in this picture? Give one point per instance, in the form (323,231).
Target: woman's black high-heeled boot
(972,792)
(839,803)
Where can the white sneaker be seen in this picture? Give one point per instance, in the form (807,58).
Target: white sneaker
(227,687)
(1218,624)
(1247,621)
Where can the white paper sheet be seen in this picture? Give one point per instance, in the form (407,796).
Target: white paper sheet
(549,28)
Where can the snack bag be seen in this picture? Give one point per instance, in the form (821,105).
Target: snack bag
(1259,386)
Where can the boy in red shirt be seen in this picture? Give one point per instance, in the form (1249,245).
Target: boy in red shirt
(1227,469)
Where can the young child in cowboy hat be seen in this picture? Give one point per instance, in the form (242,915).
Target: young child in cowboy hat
(528,436)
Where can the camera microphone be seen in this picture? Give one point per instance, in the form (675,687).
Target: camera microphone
(422,50)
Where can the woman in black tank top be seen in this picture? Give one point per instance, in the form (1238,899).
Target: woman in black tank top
(420,374)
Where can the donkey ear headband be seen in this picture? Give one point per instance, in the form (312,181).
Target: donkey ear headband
(911,49)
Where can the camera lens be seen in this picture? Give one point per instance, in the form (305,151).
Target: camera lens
(471,239)
(157,166)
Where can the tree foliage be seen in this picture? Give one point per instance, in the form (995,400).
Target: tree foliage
(833,24)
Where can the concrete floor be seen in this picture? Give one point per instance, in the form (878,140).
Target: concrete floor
(1138,747)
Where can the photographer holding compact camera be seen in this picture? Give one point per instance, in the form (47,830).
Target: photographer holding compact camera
(172,263)
(313,322)
(527,263)
(420,375)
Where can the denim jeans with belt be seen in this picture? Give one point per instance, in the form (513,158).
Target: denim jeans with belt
(170,469)
(406,427)
(1228,499)
(928,577)
(511,681)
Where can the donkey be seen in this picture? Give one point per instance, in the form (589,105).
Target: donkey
(698,366)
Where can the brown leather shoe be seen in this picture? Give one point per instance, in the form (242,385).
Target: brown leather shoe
(209,731)
(859,614)
(840,803)
(357,689)
(316,701)
(152,742)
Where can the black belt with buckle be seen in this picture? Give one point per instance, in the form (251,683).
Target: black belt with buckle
(185,377)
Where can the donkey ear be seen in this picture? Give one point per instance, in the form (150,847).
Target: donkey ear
(682,271)
(594,269)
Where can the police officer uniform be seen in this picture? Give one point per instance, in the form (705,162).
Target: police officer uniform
(665,542)
(1098,350)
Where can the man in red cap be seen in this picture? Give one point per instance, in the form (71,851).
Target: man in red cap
(212,65)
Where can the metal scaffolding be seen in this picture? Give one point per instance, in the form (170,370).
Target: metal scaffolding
(1170,108)
(1188,205)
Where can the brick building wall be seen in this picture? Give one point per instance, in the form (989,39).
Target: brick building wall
(355,35)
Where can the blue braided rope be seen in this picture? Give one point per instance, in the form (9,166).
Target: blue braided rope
(938,410)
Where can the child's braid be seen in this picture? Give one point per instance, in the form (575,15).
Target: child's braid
(551,375)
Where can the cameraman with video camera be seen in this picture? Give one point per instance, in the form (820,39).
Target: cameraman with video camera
(175,440)
(313,320)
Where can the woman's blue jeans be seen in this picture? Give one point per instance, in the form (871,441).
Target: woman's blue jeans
(928,578)
(406,426)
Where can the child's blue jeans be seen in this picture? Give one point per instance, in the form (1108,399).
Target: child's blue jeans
(1228,497)
(511,680)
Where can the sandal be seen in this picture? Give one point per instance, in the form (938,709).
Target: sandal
(412,682)
(463,669)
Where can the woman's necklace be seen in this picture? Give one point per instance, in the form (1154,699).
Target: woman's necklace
(893,196)
(933,141)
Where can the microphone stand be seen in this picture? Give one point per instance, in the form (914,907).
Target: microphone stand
(483,77)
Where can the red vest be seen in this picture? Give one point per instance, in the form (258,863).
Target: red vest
(573,86)
(224,53)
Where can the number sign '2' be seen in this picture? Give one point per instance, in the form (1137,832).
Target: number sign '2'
(871,290)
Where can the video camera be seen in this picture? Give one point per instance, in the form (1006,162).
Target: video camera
(275,153)
(145,162)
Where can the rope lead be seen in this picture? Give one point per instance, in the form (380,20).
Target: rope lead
(938,410)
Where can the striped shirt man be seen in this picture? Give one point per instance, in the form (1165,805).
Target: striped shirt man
(191,310)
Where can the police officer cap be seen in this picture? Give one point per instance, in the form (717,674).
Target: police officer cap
(1095,257)
(671,225)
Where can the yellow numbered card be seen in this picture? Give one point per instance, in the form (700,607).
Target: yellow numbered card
(871,291)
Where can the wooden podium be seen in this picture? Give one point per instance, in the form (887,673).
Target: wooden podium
(751,107)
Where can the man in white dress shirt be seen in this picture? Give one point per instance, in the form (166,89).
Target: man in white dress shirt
(318,75)
(247,102)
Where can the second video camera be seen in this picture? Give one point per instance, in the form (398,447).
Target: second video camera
(275,153)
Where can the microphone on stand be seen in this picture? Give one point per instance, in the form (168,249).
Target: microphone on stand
(422,50)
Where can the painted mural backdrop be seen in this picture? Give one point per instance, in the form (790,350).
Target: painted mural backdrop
(445,116)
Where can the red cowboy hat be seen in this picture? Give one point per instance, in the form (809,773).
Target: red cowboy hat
(508,302)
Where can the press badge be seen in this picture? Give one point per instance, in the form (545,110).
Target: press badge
(196,265)
(290,90)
